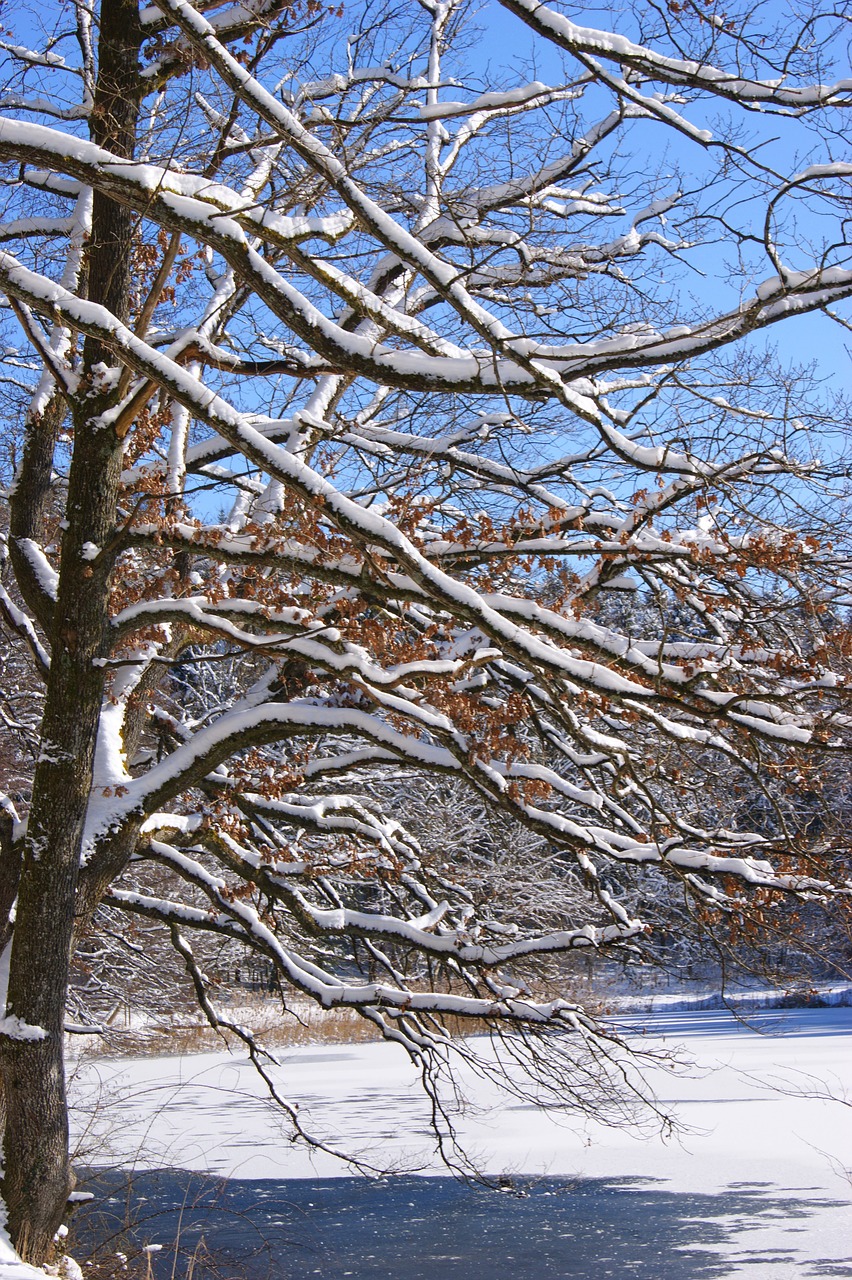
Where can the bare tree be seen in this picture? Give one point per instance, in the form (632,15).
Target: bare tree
(372,374)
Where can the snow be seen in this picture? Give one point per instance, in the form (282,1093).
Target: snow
(619,48)
(44,571)
(16,1029)
(742,1104)
(520,96)
(24,626)
(50,181)
(11,1267)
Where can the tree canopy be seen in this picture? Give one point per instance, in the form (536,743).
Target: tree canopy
(387,415)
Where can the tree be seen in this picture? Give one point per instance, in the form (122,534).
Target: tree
(373,373)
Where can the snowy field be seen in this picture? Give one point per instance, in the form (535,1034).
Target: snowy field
(756,1185)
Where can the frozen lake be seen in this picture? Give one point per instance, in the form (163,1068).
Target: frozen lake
(754,1186)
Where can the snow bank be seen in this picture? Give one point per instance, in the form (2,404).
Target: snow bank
(11,1267)
(816,997)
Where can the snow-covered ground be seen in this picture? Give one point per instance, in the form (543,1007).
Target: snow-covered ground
(750,1123)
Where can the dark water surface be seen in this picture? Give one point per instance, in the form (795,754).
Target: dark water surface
(411,1228)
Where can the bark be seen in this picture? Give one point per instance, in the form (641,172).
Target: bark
(38,1176)
(10,874)
(30,503)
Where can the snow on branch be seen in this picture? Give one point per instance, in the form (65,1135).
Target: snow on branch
(658,67)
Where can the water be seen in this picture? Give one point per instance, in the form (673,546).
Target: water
(439,1229)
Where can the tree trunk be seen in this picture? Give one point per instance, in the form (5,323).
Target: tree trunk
(38,1177)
